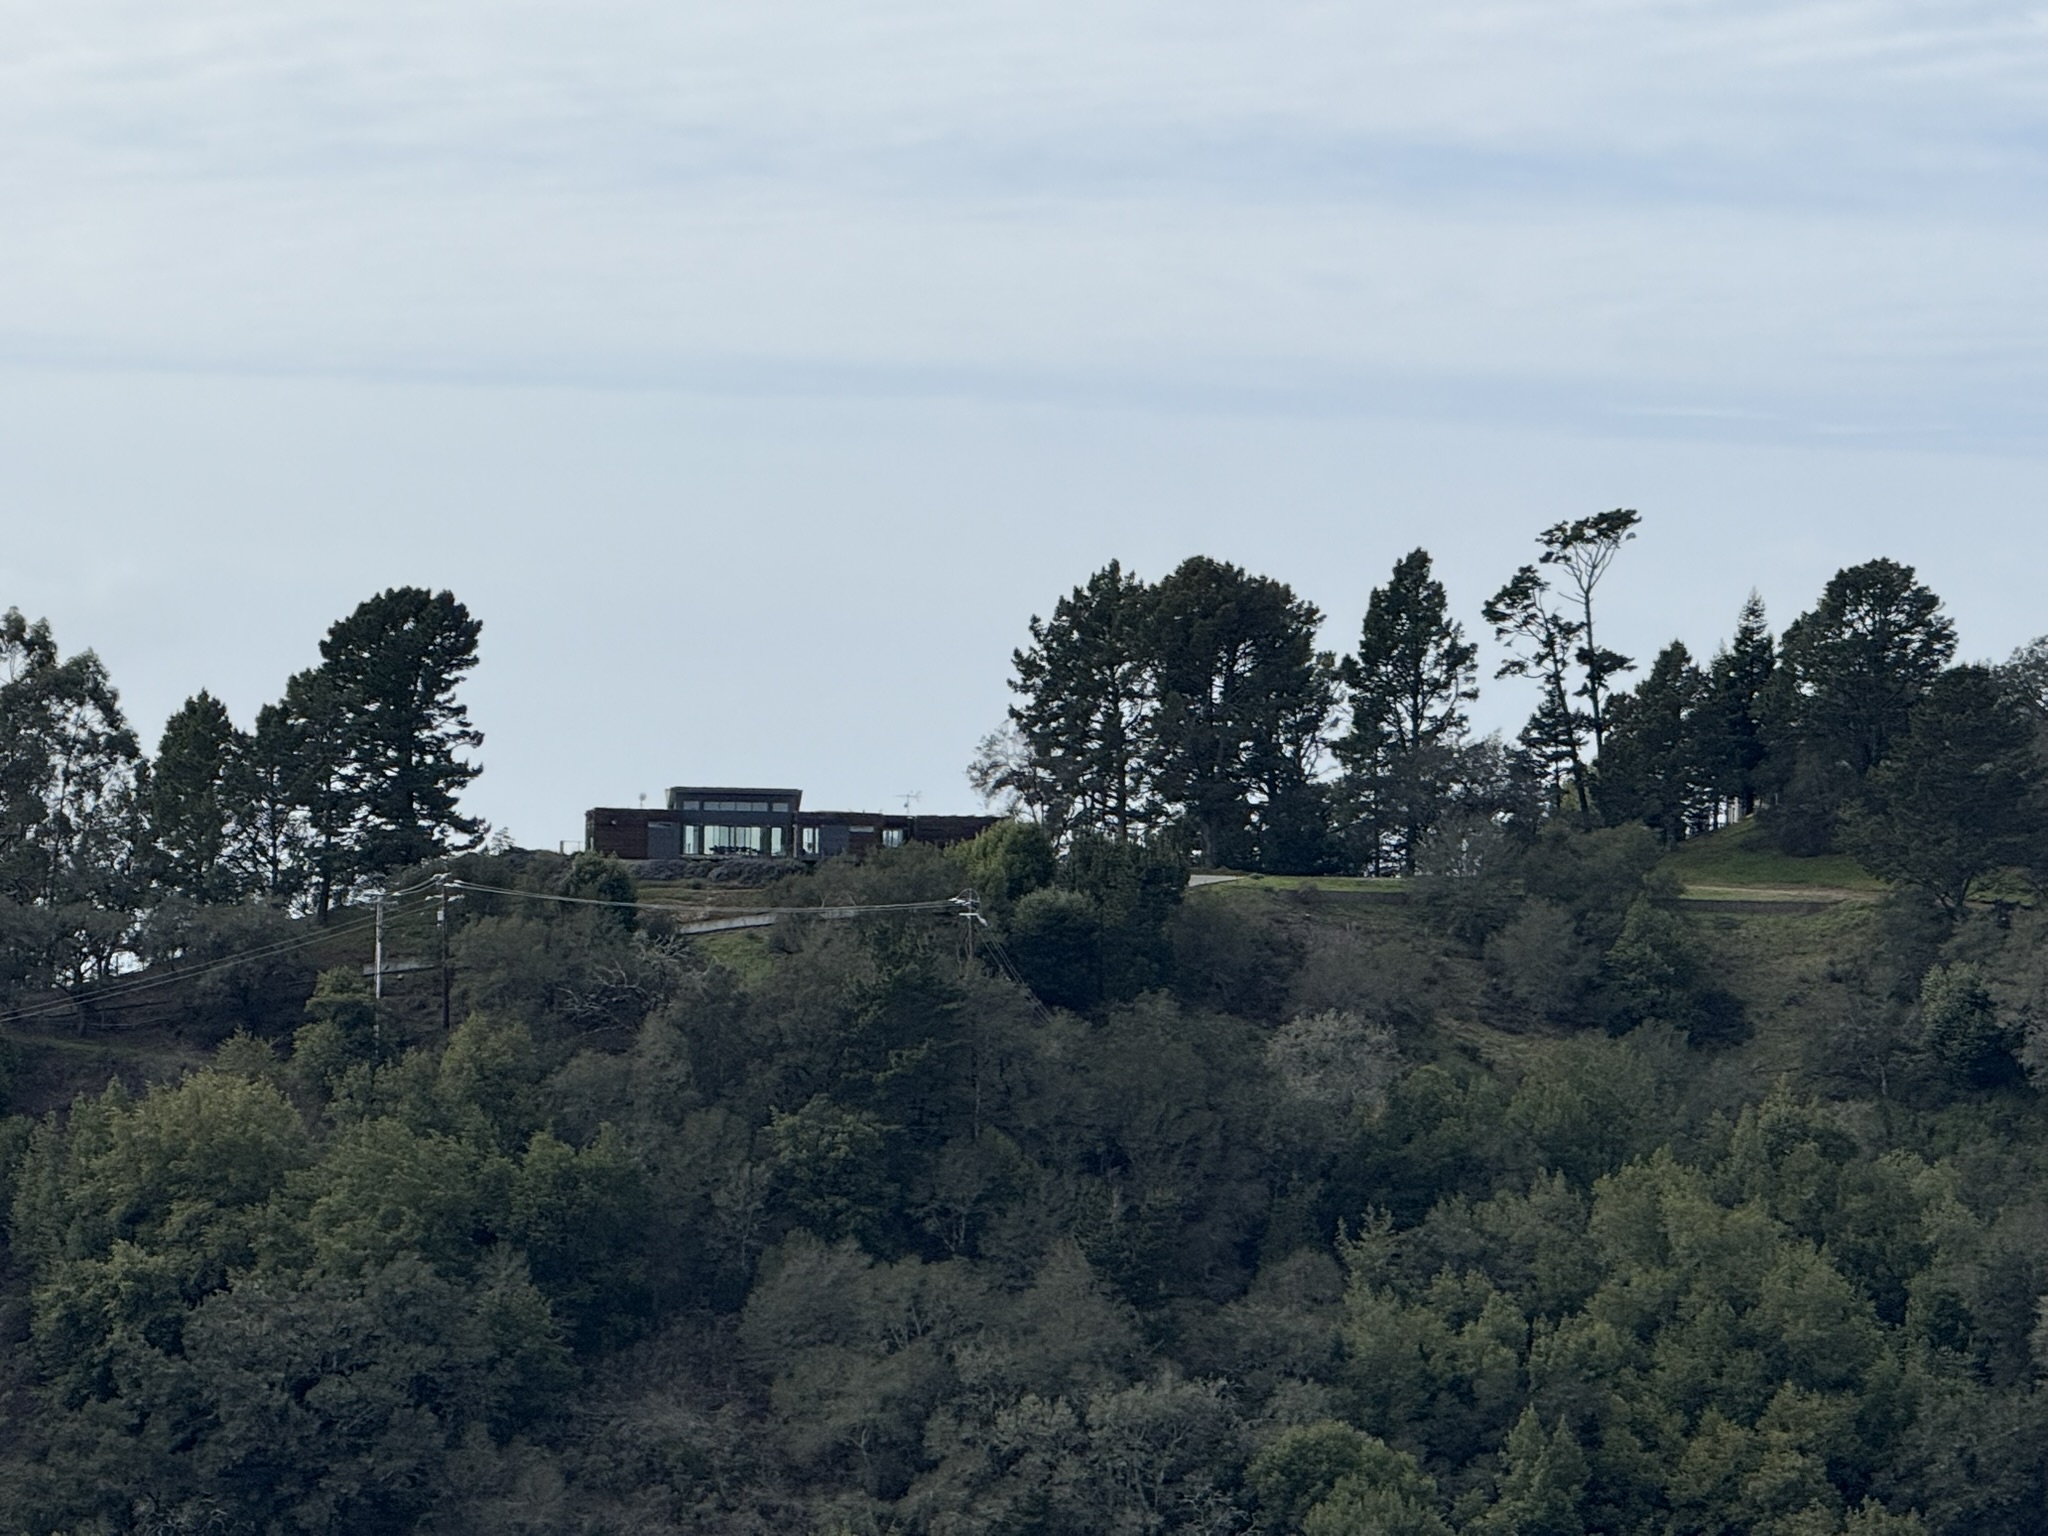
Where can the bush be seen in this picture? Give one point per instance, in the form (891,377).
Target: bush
(1961,1025)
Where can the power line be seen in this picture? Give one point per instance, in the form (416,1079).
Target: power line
(115,991)
(949,904)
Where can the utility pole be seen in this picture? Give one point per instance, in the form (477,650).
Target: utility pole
(377,984)
(441,922)
(970,918)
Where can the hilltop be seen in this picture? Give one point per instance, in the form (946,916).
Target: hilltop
(1280,1203)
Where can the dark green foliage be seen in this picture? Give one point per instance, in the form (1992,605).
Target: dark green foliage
(1851,671)
(392,668)
(70,769)
(1304,1210)
(1541,643)
(1408,684)
(1961,1023)
(188,804)
(1652,766)
(1581,549)
(1102,934)
(1655,971)
(1242,700)
(1008,862)
(1960,797)
(1085,687)
(1056,936)
(1732,734)
(598,877)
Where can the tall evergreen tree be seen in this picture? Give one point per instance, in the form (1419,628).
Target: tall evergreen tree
(1243,701)
(309,734)
(1650,770)
(1408,684)
(1733,744)
(392,668)
(1085,687)
(1851,671)
(268,793)
(1863,658)
(189,804)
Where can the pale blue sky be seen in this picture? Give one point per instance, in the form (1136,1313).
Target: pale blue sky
(754,372)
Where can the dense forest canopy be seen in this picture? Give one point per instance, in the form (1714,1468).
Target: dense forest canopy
(1526,1195)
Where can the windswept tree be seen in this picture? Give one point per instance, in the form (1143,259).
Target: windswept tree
(1243,699)
(1407,687)
(1084,688)
(1541,643)
(1581,550)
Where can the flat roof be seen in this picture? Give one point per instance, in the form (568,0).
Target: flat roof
(729,789)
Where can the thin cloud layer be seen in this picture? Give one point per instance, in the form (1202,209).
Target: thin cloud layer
(1783,219)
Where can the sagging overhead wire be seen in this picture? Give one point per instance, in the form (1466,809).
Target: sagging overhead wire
(963,906)
(130,986)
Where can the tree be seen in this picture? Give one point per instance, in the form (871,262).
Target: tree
(1959,798)
(189,804)
(1861,659)
(1733,746)
(69,774)
(267,793)
(1649,770)
(1242,701)
(1408,683)
(393,667)
(1541,644)
(308,733)
(1085,692)
(1583,548)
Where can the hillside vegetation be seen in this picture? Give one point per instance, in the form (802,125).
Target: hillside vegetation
(1542,1202)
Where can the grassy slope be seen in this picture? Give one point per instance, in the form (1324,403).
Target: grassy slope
(1789,968)
(1735,861)
(1739,859)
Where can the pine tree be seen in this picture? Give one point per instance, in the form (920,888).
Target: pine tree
(1650,770)
(1243,701)
(1085,694)
(1862,659)
(1733,744)
(189,804)
(391,669)
(1408,683)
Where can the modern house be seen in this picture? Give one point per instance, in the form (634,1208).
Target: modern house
(723,822)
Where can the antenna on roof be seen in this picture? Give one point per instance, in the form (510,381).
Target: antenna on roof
(910,795)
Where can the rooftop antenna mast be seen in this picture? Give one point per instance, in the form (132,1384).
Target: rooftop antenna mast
(910,795)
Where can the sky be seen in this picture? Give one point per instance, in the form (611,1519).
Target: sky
(755,372)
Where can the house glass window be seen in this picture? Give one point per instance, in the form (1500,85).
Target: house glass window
(731,842)
(892,837)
